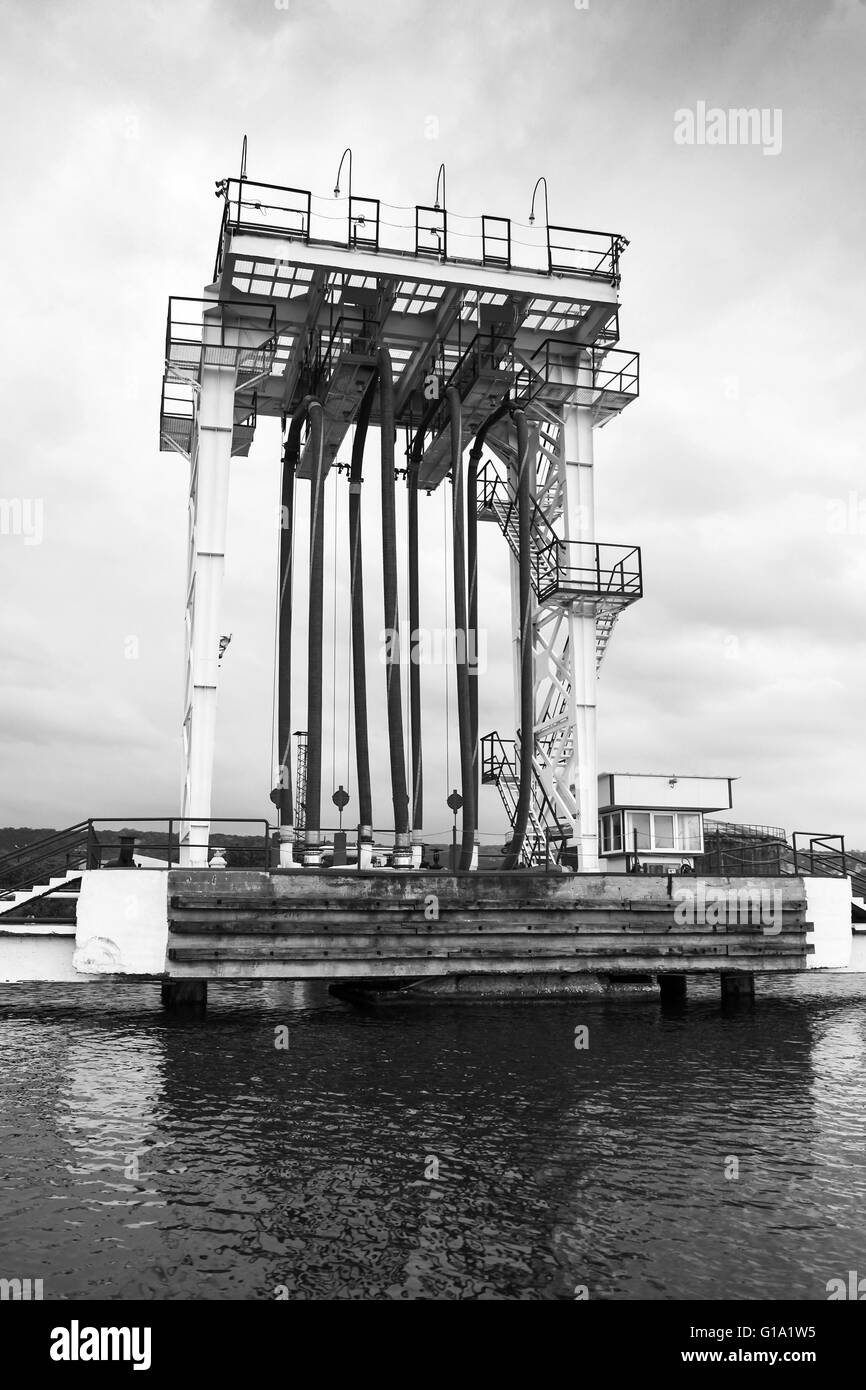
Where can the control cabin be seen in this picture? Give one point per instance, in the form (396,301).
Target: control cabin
(657,819)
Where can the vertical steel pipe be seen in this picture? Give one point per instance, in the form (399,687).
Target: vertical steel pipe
(467,843)
(313,822)
(359,659)
(399,794)
(414,658)
(283,795)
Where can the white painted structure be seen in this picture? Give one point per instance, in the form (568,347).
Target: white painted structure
(828,906)
(212,355)
(565,629)
(664,812)
(562,365)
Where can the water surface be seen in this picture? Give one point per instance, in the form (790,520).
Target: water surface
(168,1157)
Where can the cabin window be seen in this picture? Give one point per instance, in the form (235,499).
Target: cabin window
(689,838)
(664,830)
(639,821)
(610,832)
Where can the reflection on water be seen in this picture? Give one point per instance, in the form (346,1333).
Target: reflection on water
(146,1156)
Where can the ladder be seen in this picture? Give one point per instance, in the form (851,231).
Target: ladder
(500,767)
(301,780)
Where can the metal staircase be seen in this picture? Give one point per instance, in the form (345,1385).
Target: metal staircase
(66,886)
(500,767)
(608,575)
(51,857)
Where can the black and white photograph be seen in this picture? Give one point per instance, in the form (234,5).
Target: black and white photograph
(432,758)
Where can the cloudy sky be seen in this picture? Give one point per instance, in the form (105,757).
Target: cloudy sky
(739,471)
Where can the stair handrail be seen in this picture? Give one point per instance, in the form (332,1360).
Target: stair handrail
(34,846)
(20,864)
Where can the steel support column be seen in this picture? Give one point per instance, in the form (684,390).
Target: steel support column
(580,772)
(210,458)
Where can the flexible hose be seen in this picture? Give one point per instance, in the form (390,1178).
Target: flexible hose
(527,700)
(314,639)
(414,625)
(291,456)
(359,660)
(399,794)
(460,635)
(414,658)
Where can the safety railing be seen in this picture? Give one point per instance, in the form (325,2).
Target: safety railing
(246,419)
(576,249)
(217,333)
(589,569)
(350,334)
(487,355)
(364,222)
(495,759)
(497,499)
(604,375)
(762,850)
(616,371)
(110,835)
(819,854)
(268,207)
(431,231)
(496,241)
(103,842)
(422,230)
(500,767)
(176,417)
(50,855)
(735,829)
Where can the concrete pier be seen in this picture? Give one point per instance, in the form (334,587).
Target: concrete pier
(673,989)
(184,994)
(493,934)
(735,988)
(412,926)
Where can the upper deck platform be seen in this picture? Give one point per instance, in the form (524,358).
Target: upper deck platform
(335,280)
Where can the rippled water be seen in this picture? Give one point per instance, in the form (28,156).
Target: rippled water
(310,1167)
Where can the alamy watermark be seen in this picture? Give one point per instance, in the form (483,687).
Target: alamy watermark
(20,1290)
(736,126)
(846,516)
(724,907)
(438,646)
(22,516)
(853,1289)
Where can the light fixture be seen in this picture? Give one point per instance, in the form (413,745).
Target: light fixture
(346,151)
(532,205)
(439,177)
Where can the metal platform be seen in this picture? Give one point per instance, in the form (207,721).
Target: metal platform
(394,284)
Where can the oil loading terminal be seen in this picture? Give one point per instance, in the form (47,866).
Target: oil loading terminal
(486,367)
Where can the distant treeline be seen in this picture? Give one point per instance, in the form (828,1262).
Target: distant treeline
(15,837)
(241,850)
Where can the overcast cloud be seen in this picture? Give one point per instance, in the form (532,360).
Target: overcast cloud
(743,289)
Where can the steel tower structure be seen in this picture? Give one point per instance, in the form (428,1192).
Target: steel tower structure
(473,346)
